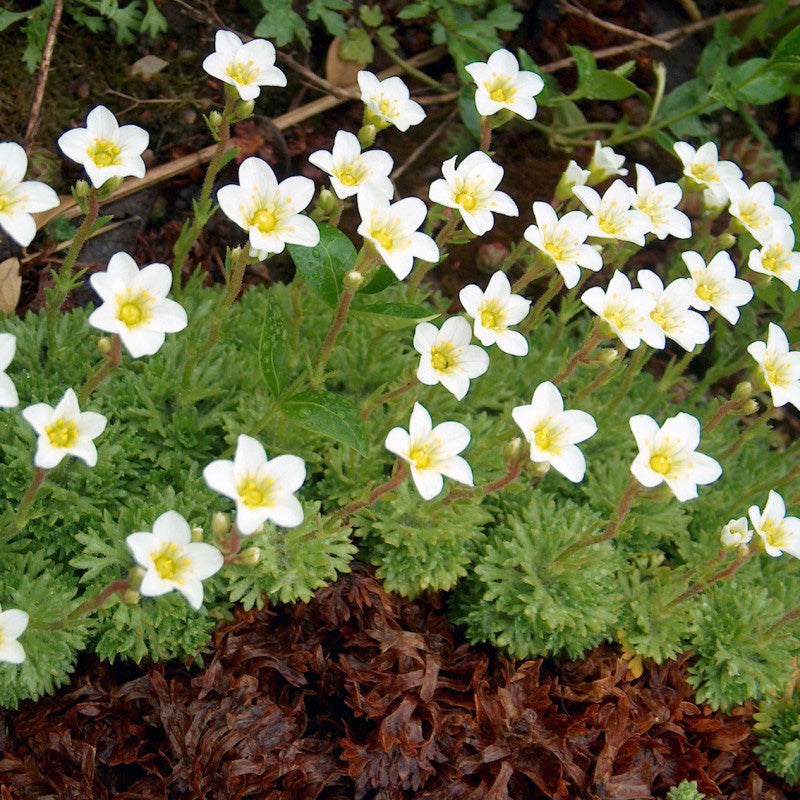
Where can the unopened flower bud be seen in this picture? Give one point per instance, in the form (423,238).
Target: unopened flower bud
(197,534)
(367,134)
(214,122)
(110,186)
(131,597)
(726,241)
(136,575)
(608,356)
(244,109)
(352,280)
(743,391)
(513,449)
(749,407)
(104,345)
(540,468)
(250,556)
(491,256)
(327,201)
(220,523)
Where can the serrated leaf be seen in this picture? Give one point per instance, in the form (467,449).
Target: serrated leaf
(394,316)
(272,350)
(357,46)
(787,51)
(371,16)
(8,18)
(327,414)
(324,266)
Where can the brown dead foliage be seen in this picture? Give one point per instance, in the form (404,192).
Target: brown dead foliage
(360,694)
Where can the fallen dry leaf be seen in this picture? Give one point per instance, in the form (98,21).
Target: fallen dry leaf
(338,71)
(10,285)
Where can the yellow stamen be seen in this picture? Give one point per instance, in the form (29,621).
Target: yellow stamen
(62,433)
(104,153)
(660,464)
(264,219)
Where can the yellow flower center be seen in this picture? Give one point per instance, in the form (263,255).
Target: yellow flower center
(62,433)
(502,90)
(242,74)
(264,219)
(385,106)
(705,292)
(492,317)
(256,494)
(774,534)
(555,249)
(169,563)
(2,208)
(660,464)
(442,356)
(134,309)
(420,456)
(383,239)
(769,261)
(704,173)
(658,318)
(617,317)
(351,174)
(104,153)
(466,200)
(541,438)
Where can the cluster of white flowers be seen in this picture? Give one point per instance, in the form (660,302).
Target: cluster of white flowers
(777,533)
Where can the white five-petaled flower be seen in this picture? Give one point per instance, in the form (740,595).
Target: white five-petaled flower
(493,311)
(12,625)
(447,357)
(658,202)
(755,209)
(564,240)
(135,304)
(779,366)
(387,102)
(471,188)
(612,216)
(716,285)
(172,560)
(775,258)
(19,199)
(350,169)
(605,163)
(105,149)
(669,455)
(553,433)
(705,169)
(268,210)
(431,452)
(64,430)
(626,310)
(672,314)
(735,534)
(263,489)
(247,67)
(392,228)
(779,534)
(501,84)
(8,392)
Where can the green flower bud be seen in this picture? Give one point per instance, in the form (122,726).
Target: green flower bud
(742,391)
(327,201)
(367,134)
(104,345)
(136,575)
(608,356)
(131,597)
(352,280)
(197,534)
(749,407)
(244,109)
(220,523)
(250,556)
(513,449)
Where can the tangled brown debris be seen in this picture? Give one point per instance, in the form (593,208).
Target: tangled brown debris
(361,694)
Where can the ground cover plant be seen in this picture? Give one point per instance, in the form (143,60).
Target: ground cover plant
(589,472)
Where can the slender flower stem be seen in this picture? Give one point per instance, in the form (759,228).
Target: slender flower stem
(231,546)
(745,437)
(601,379)
(444,235)
(517,253)
(332,335)
(632,491)
(398,476)
(513,471)
(390,395)
(421,268)
(719,575)
(103,596)
(593,338)
(633,369)
(113,359)
(539,266)
(486,134)
(556,282)
(21,517)
(65,280)
(790,616)
(202,213)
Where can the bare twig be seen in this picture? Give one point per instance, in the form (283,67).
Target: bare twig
(41,77)
(579,11)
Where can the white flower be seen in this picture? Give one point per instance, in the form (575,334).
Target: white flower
(447,355)
(716,285)
(8,392)
(669,455)
(605,163)
(262,489)
(612,215)
(493,311)
(172,560)
(672,314)
(626,310)
(554,433)
(501,85)
(658,203)
(64,431)
(704,168)
(775,258)
(388,103)
(564,240)
(392,228)
(573,176)
(779,366)
(19,199)
(350,169)
(135,304)
(779,533)
(246,66)
(268,210)
(12,625)
(736,534)
(755,209)
(431,452)
(471,188)
(104,149)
